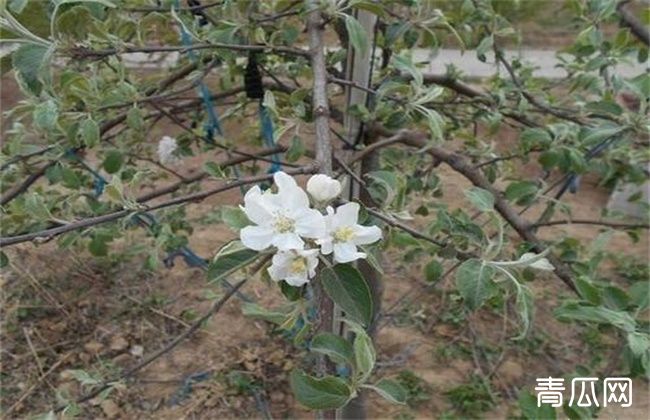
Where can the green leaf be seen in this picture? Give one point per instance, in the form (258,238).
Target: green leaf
(530,410)
(364,355)
(357,35)
(575,311)
(404,63)
(482,199)
(433,271)
(231,257)
(390,390)
(639,295)
(234,217)
(113,161)
(588,291)
(254,310)
(532,137)
(98,245)
(346,286)
(17,6)
(295,151)
(639,343)
(319,394)
(474,282)
(483,47)
(214,170)
(45,115)
(27,61)
(522,192)
(90,132)
(334,346)
(134,118)
(592,136)
(4,260)
(525,305)
(35,207)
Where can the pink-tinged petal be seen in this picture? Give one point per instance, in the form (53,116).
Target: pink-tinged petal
(310,223)
(347,215)
(287,241)
(346,252)
(364,235)
(256,237)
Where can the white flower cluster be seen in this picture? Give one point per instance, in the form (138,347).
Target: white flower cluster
(286,221)
(166,148)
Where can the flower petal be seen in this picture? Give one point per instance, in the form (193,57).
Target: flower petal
(290,195)
(366,234)
(346,252)
(310,223)
(297,280)
(287,241)
(325,245)
(256,206)
(256,237)
(346,215)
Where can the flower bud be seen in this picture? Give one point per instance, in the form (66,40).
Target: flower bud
(323,188)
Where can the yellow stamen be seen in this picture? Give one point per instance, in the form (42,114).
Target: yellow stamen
(298,265)
(344,234)
(283,224)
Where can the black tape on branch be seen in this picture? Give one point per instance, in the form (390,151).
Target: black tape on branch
(253,79)
(203,20)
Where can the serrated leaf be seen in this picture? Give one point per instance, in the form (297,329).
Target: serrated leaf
(334,346)
(45,115)
(231,257)
(572,310)
(254,310)
(27,61)
(319,394)
(474,282)
(433,271)
(234,217)
(346,286)
(296,150)
(364,356)
(113,161)
(357,35)
(89,132)
(4,260)
(522,192)
(524,303)
(35,206)
(134,118)
(482,199)
(390,390)
(404,63)
(214,170)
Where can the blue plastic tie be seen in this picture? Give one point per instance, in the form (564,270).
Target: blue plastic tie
(266,128)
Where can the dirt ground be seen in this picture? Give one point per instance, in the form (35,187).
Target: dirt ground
(65,312)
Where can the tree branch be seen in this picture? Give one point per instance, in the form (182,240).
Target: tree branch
(636,27)
(109,217)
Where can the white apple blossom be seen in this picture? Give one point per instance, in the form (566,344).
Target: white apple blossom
(323,188)
(295,267)
(281,219)
(344,233)
(166,148)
